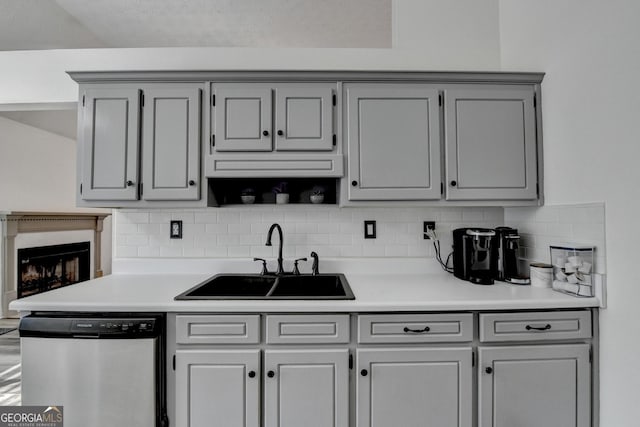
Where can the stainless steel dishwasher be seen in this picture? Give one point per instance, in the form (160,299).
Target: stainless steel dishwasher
(104,369)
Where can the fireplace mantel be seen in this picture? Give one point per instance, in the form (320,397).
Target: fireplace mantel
(14,223)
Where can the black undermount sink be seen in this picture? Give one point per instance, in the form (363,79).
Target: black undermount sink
(269,287)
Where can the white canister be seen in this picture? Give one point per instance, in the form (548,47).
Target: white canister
(282,198)
(541,275)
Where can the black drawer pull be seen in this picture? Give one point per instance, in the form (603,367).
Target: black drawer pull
(537,328)
(271,374)
(417,331)
(252,374)
(488,370)
(364,372)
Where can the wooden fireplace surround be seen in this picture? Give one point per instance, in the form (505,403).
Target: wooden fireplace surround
(14,223)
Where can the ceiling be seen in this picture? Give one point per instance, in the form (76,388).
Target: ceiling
(69,24)
(78,24)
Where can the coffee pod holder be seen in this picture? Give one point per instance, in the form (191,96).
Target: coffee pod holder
(573,268)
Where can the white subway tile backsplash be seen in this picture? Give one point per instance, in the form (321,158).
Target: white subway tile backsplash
(541,227)
(329,230)
(159,218)
(205,218)
(148,251)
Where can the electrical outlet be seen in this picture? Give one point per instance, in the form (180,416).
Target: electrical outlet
(175,230)
(428,225)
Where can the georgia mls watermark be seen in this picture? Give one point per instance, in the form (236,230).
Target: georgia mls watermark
(31,416)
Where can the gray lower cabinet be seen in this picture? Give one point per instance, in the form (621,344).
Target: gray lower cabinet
(414,387)
(308,387)
(534,386)
(110,143)
(454,369)
(217,388)
(490,142)
(393,140)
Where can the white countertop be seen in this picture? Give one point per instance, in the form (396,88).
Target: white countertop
(379,285)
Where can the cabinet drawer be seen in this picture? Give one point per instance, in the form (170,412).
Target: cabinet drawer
(415,328)
(538,326)
(223,329)
(305,329)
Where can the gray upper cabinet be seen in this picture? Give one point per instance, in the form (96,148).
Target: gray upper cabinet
(304,117)
(171,143)
(414,387)
(140,143)
(242,117)
(490,140)
(410,138)
(393,138)
(244,113)
(110,132)
(534,386)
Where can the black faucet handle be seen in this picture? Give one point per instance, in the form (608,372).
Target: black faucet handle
(296,271)
(264,265)
(314,268)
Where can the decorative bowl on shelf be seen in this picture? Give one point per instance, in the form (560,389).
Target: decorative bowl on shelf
(317,198)
(248,199)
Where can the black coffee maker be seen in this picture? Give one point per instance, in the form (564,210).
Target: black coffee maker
(508,248)
(475,255)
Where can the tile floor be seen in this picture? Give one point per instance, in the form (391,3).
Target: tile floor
(9,364)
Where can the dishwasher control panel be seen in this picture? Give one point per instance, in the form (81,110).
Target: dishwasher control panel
(66,326)
(118,327)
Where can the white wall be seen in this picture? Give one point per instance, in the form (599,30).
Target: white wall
(37,169)
(38,173)
(449,34)
(590,51)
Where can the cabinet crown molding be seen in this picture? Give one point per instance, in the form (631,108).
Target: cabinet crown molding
(305,75)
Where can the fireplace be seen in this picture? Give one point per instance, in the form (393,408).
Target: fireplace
(45,268)
(38,230)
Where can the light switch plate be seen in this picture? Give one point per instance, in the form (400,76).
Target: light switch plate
(175,231)
(369,229)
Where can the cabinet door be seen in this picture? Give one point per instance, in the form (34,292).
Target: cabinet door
(242,117)
(306,388)
(304,117)
(534,386)
(171,143)
(217,388)
(393,142)
(110,144)
(490,143)
(414,387)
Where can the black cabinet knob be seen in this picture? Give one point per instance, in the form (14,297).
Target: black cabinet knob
(354,183)
(265,132)
(252,374)
(129,183)
(280,133)
(453,183)
(364,372)
(192,182)
(271,374)
(488,370)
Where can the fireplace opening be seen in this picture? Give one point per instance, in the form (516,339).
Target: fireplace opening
(44,268)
